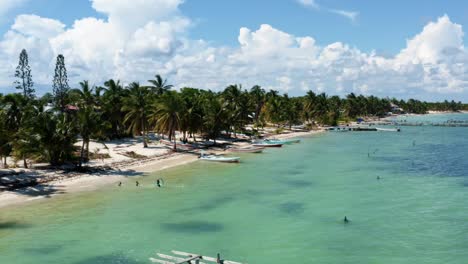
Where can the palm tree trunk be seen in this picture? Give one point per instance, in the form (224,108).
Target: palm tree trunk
(5,164)
(82,154)
(145,145)
(87,149)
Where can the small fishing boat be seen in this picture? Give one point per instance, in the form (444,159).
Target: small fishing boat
(265,144)
(283,141)
(219,158)
(388,129)
(247,149)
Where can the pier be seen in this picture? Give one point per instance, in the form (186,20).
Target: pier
(179,257)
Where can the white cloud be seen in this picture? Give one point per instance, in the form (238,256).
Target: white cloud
(7,5)
(351,15)
(308,3)
(97,49)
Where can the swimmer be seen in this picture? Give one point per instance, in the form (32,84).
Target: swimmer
(378,177)
(346,220)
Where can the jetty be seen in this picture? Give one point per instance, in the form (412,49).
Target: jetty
(399,123)
(361,129)
(179,257)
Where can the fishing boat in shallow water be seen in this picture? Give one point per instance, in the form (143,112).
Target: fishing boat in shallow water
(265,144)
(219,158)
(283,141)
(247,149)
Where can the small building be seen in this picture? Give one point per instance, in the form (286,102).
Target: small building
(395,109)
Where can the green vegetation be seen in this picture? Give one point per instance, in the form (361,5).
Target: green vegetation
(47,128)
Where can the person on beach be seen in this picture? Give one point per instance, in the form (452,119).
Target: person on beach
(346,220)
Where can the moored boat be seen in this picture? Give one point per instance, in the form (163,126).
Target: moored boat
(218,158)
(247,149)
(265,144)
(283,141)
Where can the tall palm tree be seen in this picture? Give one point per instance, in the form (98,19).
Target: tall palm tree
(215,117)
(167,114)
(159,85)
(89,122)
(136,105)
(112,104)
(257,96)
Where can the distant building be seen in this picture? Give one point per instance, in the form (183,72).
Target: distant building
(395,109)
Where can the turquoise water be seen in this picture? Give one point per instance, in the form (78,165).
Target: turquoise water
(283,206)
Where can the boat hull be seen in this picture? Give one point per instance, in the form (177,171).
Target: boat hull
(276,145)
(222,160)
(247,150)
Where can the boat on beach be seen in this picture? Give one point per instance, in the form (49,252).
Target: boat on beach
(250,149)
(219,158)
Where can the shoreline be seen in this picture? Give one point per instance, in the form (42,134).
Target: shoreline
(86,182)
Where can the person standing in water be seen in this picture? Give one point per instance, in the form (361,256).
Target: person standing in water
(137,183)
(120,184)
(346,220)
(158,183)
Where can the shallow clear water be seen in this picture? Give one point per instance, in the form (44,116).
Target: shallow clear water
(283,206)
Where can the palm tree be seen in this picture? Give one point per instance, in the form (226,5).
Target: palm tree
(112,105)
(257,96)
(89,120)
(167,114)
(215,115)
(192,117)
(136,105)
(159,86)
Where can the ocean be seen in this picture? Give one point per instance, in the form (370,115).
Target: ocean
(405,194)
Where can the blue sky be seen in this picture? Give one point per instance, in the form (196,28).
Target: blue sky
(375,37)
(383,26)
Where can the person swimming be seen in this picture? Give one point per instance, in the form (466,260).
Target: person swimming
(346,220)
(378,177)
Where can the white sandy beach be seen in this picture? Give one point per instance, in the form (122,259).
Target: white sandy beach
(157,158)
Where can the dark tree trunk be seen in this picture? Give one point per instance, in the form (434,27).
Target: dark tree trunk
(82,154)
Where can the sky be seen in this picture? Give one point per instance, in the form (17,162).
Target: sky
(403,49)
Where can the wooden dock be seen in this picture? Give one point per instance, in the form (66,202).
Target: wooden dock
(179,257)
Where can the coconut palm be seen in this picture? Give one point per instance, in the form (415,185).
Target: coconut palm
(159,85)
(112,103)
(136,106)
(166,114)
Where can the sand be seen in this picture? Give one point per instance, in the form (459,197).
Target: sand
(157,158)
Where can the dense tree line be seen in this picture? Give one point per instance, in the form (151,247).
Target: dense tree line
(46,128)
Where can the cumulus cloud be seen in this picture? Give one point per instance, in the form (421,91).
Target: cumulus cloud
(7,5)
(351,15)
(308,3)
(156,41)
